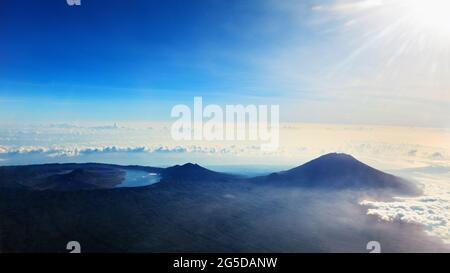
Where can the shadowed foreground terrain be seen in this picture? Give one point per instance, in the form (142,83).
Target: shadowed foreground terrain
(217,213)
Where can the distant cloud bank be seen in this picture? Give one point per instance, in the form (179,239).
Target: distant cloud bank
(383,147)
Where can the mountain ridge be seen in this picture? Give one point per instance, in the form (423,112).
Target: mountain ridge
(193,172)
(337,171)
(330,171)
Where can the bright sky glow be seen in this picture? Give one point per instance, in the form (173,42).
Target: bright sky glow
(432,15)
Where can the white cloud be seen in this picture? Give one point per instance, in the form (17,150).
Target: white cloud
(383,147)
(349,5)
(437,156)
(70,152)
(432,210)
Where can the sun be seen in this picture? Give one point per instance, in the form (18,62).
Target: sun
(429,15)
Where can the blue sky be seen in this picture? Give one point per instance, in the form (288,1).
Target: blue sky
(111,53)
(330,61)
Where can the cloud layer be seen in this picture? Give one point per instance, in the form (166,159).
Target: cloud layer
(383,147)
(432,210)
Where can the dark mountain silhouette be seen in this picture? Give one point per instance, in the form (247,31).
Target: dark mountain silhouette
(193,209)
(331,171)
(337,171)
(66,177)
(193,172)
(90,176)
(83,179)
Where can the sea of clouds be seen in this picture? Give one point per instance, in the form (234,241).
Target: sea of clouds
(150,143)
(431,210)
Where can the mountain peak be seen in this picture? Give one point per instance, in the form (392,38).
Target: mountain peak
(339,171)
(333,163)
(336,156)
(188,167)
(191,165)
(192,172)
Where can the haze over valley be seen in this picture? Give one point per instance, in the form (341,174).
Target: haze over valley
(312,208)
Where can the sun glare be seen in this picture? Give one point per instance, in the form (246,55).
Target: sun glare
(431,15)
